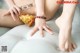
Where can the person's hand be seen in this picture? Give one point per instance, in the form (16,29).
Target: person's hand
(40,24)
(14,11)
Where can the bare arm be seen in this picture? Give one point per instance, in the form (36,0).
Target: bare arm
(39,7)
(64,22)
(69,9)
(40,23)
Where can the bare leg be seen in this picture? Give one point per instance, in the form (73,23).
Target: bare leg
(7,21)
(64,22)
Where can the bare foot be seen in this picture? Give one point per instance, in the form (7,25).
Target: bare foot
(65,39)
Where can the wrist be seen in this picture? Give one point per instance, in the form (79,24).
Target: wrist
(39,20)
(40,17)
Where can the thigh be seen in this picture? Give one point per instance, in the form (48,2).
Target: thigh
(7,21)
(51,6)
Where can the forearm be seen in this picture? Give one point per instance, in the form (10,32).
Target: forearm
(9,2)
(39,7)
(69,8)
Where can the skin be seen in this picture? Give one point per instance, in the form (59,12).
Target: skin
(11,18)
(40,23)
(50,9)
(64,22)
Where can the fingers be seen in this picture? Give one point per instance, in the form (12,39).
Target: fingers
(34,31)
(41,31)
(15,11)
(70,49)
(48,29)
(18,10)
(13,15)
